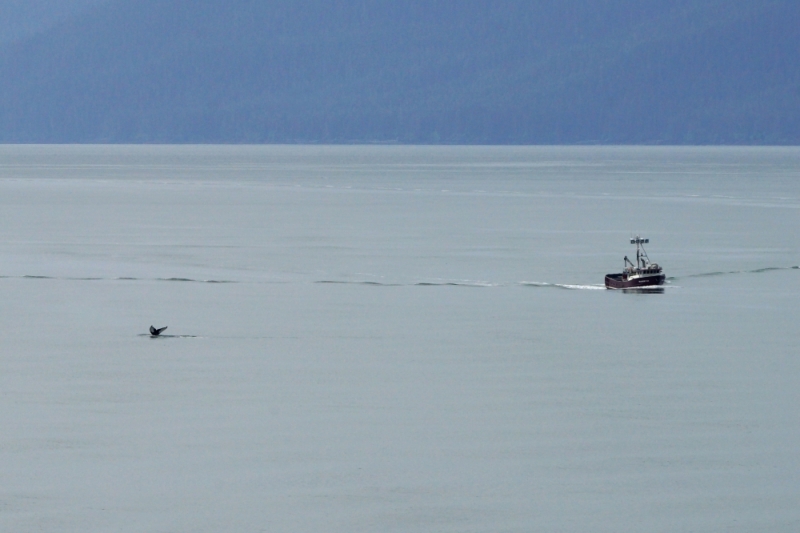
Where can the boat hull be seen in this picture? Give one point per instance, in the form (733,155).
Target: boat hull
(618,281)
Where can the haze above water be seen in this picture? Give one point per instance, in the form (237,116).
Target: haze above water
(397,339)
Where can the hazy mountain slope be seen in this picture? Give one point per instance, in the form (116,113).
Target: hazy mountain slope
(23,18)
(414,71)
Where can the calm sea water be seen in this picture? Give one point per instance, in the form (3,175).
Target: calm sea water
(397,339)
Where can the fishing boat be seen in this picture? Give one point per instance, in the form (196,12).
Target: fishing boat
(642,274)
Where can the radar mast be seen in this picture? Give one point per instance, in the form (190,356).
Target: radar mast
(642,260)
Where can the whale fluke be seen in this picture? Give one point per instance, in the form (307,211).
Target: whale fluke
(156,332)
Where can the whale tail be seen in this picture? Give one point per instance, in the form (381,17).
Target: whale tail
(156,332)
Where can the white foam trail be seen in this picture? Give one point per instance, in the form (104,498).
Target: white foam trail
(584,287)
(563,286)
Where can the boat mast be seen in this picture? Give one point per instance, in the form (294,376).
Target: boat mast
(640,255)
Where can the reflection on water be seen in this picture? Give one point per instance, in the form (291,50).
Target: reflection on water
(644,290)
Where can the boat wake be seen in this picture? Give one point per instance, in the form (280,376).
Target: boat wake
(67,278)
(189,280)
(725,273)
(565,286)
(464,283)
(373,283)
(368,283)
(456,284)
(435,283)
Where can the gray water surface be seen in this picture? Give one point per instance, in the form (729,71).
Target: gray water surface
(397,339)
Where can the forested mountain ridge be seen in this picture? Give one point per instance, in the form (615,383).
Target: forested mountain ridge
(414,71)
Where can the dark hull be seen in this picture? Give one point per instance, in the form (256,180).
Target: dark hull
(617,281)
